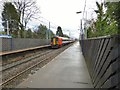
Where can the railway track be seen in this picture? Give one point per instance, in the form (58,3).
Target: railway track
(13,74)
(15,63)
(23,64)
(21,54)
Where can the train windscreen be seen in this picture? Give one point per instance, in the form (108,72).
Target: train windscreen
(54,40)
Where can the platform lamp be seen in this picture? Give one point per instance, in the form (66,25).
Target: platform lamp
(81,33)
(80,24)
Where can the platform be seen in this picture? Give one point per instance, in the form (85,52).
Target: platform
(67,70)
(22,50)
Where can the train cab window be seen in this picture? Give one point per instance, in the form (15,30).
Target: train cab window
(56,39)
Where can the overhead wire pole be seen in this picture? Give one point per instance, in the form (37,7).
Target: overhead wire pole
(7,28)
(48,23)
(82,33)
(49,31)
(83,30)
(46,30)
(84,8)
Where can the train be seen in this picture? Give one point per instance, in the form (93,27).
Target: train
(57,41)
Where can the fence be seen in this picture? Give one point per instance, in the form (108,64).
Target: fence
(102,56)
(9,44)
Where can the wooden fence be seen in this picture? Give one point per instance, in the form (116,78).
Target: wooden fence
(102,56)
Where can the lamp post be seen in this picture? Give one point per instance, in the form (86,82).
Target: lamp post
(81,33)
(83,29)
(80,26)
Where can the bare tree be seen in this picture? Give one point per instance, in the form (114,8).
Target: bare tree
(27,10)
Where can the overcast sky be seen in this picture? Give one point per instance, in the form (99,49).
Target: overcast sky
(63,13)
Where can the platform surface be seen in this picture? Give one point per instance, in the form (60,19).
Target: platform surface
(22,50)
(67,70)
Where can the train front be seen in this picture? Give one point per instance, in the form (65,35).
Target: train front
(56,42)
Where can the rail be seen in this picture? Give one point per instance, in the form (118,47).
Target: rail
(16,71)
